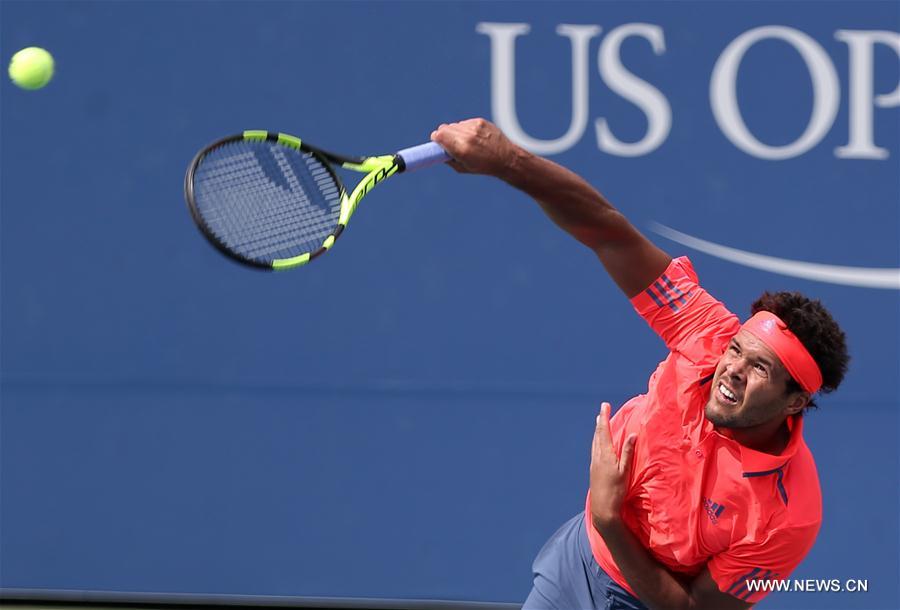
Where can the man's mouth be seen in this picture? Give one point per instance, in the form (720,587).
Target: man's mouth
(726,394)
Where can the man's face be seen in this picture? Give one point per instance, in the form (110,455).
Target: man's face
(749,387)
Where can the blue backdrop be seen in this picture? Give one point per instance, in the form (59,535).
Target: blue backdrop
(411,415)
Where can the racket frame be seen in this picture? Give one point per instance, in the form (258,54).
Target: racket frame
(376,169)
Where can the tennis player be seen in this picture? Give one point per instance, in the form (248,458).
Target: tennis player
(702,487)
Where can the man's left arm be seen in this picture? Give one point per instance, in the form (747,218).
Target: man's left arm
(653,584)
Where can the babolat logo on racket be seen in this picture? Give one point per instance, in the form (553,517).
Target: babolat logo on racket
(374,178)
(271,201)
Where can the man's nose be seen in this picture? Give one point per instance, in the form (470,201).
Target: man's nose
(736,368)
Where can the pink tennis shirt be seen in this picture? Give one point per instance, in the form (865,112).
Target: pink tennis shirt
(697,498)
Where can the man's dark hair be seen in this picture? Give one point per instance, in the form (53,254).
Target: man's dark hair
(817,331)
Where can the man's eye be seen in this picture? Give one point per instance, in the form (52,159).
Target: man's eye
(761,369)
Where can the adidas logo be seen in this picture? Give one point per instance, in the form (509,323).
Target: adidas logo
(713,510)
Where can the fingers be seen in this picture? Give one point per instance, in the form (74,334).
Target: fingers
(603,443)
(602,432)
(476,145)
(603,419)
(451,140)
(456,165)
(627,454)
(450,134)
(438,132)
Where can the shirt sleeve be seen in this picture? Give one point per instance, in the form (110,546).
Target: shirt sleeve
(747,569)
(684,315)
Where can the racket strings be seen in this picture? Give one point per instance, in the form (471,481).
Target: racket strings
(273,222)
(264,201)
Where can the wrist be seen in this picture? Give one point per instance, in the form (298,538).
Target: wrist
(606,523)
(515,170)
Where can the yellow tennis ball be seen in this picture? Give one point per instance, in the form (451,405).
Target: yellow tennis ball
(31,68)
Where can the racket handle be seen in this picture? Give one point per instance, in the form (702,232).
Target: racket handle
(423,155)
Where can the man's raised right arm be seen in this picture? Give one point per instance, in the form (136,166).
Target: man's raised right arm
(633,261)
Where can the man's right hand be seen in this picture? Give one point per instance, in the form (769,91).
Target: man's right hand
(479,147)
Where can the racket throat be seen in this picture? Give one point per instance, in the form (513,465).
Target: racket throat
(372,179)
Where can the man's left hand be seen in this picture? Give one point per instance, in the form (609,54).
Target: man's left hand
(609,473)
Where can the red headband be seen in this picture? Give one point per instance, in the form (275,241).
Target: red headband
(768,328)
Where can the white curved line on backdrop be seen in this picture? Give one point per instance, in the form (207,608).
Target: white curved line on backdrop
(867,277)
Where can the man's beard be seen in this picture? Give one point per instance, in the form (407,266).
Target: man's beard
(736,420)
(721,420)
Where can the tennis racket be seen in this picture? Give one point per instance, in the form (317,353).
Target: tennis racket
(271,201)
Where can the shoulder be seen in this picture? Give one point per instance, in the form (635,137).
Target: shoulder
(788,503)
(801,478)
(690,320)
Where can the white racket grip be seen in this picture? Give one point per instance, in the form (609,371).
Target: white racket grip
(423,155)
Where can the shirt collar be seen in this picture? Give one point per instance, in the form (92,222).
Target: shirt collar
(755,461)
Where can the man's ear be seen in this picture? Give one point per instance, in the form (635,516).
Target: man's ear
(798,402)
